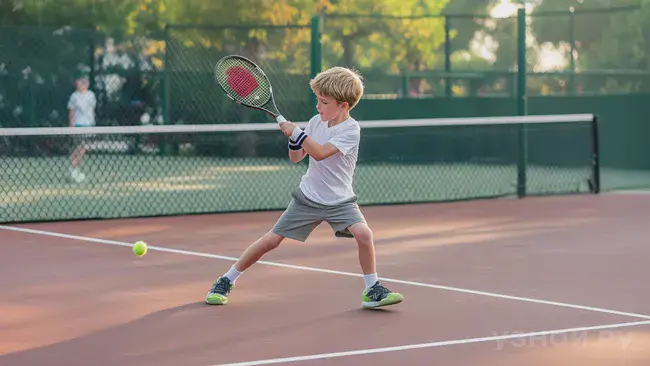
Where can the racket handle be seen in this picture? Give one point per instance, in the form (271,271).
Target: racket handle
(281,119)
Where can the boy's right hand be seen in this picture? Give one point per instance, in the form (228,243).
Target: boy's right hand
(287,128)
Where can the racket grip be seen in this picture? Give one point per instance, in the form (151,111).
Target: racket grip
(281,119)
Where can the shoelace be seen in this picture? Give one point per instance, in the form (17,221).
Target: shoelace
(222,286)
(377,292)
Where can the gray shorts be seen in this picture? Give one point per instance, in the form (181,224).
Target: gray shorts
(302,216)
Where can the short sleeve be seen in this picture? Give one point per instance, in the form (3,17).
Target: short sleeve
(346,140)
(72,102)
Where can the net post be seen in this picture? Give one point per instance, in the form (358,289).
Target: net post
(521,99)
(316,53)
(596,155)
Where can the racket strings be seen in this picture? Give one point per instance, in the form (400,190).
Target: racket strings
(244,82)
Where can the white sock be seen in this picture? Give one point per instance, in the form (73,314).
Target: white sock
(232,274)
(370,279)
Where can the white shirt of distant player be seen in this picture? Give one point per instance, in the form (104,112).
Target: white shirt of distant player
(329,181)
(83,105)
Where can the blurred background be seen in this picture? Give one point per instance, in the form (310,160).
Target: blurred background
(454,57)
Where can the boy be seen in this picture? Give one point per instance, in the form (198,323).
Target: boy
(81,108)
(331,139)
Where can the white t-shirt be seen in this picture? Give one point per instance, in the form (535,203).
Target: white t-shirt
(329,181)
(83,105)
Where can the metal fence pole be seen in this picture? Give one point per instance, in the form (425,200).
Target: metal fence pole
(166,81)
(447,57)
(316,53)
(405,80)
(521,99)
(572,38)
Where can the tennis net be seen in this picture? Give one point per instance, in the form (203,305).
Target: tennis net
(190,169)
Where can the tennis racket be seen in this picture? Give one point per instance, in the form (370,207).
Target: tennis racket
(245,83)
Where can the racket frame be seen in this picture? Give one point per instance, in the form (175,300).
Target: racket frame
(276,115)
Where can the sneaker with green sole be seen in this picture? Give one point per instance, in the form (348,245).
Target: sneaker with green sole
(219,292)
(378,295)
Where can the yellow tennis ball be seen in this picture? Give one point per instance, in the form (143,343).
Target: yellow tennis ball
(140,248)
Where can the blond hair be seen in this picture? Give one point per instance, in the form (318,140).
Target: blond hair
(340,83)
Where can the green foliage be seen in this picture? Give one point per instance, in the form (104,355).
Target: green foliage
(390,36)
(607,33)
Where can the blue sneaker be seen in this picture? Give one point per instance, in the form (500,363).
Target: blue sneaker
(219,292)
(378,295)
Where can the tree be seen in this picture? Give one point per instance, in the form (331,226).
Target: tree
(610,38)
(390,35)
(607,33)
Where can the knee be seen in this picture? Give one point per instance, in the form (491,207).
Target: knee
(363,235)
(272,240)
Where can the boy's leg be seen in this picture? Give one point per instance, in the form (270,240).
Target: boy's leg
(218,294)
(75,158)
(77,155)
(366,248)
(253,253)
(375,294)
(297,222)
(347,221)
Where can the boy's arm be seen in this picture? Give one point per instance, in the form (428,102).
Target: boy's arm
(71,103)
(71,117)
(306,144)
(296,155)
(318,151)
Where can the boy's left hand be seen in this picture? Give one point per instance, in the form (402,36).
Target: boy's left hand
(287,128)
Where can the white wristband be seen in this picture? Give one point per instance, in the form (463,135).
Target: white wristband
(296,133)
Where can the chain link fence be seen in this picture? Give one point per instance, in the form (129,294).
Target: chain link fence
(192,95)
(167,78)
(387,51)
(144,80)
(587,52)
(39,67)
(568,52)
(113,172)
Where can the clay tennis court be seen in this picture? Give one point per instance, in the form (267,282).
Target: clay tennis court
(538,281)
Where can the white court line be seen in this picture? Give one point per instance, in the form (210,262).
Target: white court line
(320,270)
(434,344)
